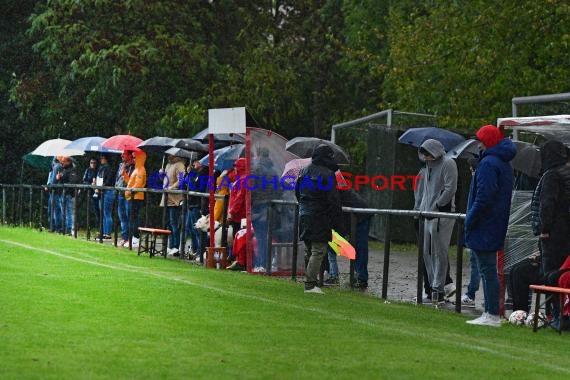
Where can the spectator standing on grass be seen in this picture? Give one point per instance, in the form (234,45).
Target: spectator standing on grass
(320,211)
(122,177)
(197,180)
(236,206)
(438,194)
(137,180)
(54,198)
(468,299)
(449,287)
(554,210)
(174,169)
(488,210)
(105,177)
(68,176)
(89,177)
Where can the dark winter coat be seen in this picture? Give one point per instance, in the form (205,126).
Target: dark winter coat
(489,201)
(320,209)
(554,209)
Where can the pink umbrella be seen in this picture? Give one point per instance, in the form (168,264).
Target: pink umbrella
(122,142)
(293,168)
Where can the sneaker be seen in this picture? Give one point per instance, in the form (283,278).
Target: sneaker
(260,270)
(486,319)
(314,289)
(424,300)
(236,266)
(467,301)
(477,320)
(331,281)
(172,251)
(449,290)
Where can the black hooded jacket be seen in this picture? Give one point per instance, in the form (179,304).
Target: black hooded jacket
(554,209)
(320,208)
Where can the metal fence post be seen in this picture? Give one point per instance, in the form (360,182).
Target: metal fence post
(387,238)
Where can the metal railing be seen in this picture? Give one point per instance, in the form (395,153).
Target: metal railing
(13,213)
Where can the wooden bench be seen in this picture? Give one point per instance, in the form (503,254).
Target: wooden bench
(539,289)
(147,241)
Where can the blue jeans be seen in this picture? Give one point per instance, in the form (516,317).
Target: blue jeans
(56,220)
(475,278)
(134,221)
(191,217)
(488,268)
(174,226)
(361,262)
(107,205)
(67,205)
(123,211)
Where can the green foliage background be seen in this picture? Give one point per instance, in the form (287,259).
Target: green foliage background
(101,67)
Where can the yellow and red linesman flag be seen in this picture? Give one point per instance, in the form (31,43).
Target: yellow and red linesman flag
(341,246)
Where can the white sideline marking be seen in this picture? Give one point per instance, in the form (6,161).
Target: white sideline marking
(395,328)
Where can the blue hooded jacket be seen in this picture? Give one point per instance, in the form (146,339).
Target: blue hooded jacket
(489,202)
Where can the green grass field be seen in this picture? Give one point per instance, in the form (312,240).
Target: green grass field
(72,309)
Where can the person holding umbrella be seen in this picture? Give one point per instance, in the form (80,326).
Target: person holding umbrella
(105,178)
(89,177)
(135,200)
(173,169)
(319,211)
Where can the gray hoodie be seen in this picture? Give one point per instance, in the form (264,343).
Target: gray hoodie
(439,180)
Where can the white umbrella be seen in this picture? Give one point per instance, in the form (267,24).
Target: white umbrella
(56,147)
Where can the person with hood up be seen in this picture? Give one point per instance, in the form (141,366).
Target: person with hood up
(175,167)
(137,180)
(438,194)
(236,205)
(487,217)
(320,211)
(554,210)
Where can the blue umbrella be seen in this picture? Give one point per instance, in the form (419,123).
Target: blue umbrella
(91,144)
(416,136)
(225,157)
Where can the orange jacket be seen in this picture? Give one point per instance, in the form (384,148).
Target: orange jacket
(137,179)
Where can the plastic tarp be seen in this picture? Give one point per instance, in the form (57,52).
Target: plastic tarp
(554,127)
(520,241)
(267,157)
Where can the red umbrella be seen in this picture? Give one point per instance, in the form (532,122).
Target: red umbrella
(122,142)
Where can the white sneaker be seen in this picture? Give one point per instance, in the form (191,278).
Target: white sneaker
(467,301)
(477,320)
(314,289)
(449,290)
(260,270)
(171,251)
(487,320)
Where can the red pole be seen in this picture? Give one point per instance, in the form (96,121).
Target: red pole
(211,186)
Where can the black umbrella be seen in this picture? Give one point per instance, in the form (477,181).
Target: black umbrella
(304,146)
(190,144)
(528,159)
(156,144)
(179,152)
